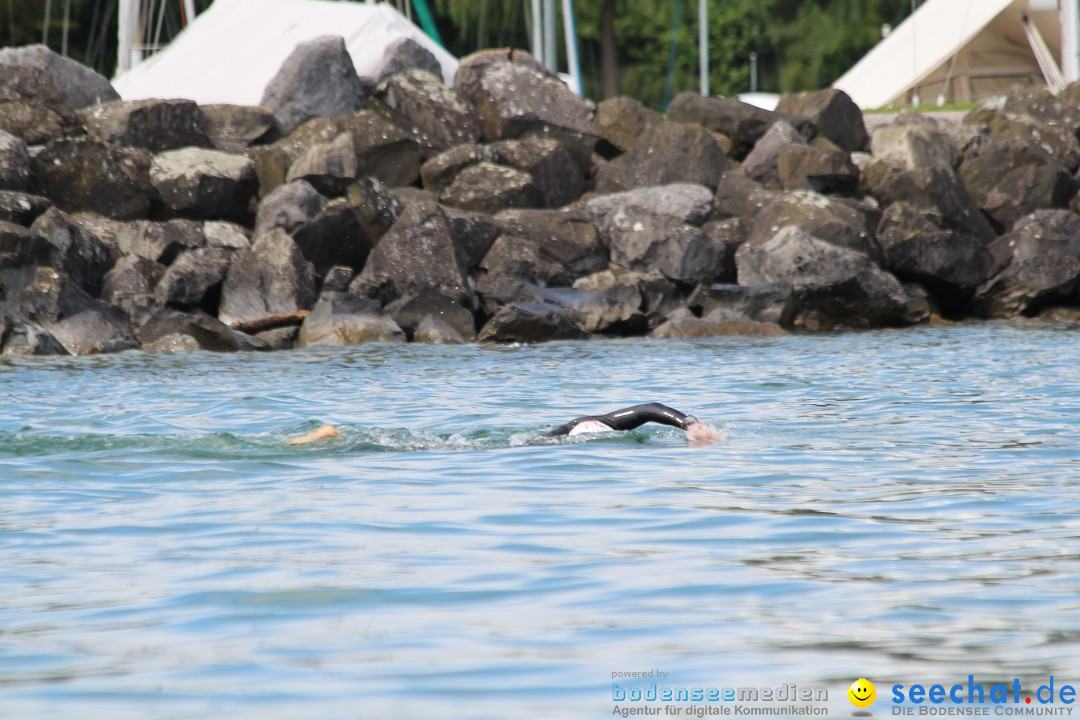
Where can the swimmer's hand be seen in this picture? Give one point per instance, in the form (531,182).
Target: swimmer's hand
(700,432)
(325,432)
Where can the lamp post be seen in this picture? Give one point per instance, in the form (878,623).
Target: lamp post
(703,44)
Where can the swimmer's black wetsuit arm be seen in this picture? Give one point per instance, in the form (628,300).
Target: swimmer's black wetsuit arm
(632,417)
(636,416)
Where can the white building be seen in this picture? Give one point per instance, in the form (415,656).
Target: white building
(232,50)
(966,50)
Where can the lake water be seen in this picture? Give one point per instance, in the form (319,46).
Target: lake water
(903,506)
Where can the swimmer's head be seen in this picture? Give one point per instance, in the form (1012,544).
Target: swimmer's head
(699,432)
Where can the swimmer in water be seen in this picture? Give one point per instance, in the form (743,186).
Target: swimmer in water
(625,419)
(636,416)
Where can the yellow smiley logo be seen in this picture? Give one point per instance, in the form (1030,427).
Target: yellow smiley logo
(862,693)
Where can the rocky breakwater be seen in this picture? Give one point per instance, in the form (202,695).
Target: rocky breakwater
(505,208)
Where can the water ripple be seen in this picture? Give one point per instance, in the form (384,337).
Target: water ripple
(895,505)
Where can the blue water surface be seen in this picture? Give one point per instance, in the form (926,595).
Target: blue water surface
(903,506)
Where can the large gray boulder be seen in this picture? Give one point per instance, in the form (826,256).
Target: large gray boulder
(336,280)
(913,141)
(834,286)
(168,330)
(235,128)
(517,97)
(403,55)
(948,263)
(83,256)
(761,164)
(78,322)
(843,223)
(14,163)
(544,247)
(1011,180)
(226,235)
(22,208)
(438,172)
(411,195)
(683,253)
(328,167)
(93,331)
(728,234)
(272,162)
(686,202)
(435,330)
(531,322)
(155,125)
(934,190)
(811,168)
(653,295)
(666,153)
(437,116)
(489,188)
(684,325)
(1050,108)
(204,183)
(1014,122)
(558,179)
(23,338)
(380,149)
(448,320)
(375,206)
(834,114)
(334,237)
(41,93)
(194,281)
(595,312)
(743,123)
(270,278)
(473,234)
(156,241)
(342,319)
(130,284)
(288,207)
(317,80)
(418,253)
(621,121)
(385,151)
(739,196)
(648,230)
(87,174)
(1037,265)
(33,109)
(77,84)
(21,248)
(770,303)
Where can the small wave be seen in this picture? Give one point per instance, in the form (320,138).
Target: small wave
(354,439)
(405,440)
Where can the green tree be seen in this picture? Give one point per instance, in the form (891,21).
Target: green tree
(800,44)
(822,39)
(469,25)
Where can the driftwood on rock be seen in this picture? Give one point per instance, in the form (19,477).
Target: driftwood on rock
(271,322)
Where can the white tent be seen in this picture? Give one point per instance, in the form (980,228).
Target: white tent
(230,52)
(965,50)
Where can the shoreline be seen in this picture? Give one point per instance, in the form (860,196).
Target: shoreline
(507,209)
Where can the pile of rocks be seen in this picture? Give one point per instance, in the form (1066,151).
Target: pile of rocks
(506,208)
